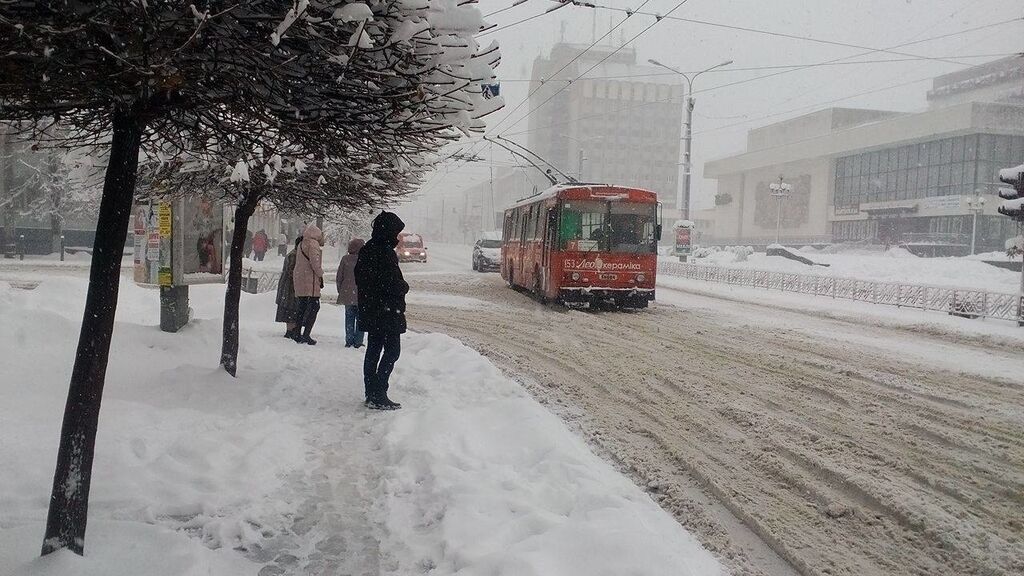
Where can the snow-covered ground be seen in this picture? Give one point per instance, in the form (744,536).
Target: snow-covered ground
(283,471)
(895,265)
(791,434)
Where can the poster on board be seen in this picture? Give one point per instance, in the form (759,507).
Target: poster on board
(146,232)
(202,240)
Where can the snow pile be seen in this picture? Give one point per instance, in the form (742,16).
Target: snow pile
(283,469)
(485,481)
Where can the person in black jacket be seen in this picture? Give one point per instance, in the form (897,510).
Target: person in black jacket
(382,293)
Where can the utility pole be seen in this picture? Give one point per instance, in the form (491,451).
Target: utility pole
(780,191)
(683,197)
(579,165)
(683,202)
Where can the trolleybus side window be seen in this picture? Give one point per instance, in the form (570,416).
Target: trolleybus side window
(531,229)
(583,226)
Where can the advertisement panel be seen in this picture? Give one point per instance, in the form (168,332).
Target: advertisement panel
(179,243)
(683,241)
(202,240)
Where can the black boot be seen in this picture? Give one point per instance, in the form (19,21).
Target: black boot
(292,334)
(384,403)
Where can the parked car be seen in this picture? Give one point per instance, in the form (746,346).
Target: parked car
(487,253)
(411,248)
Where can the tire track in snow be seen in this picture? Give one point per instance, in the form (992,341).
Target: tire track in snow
(815,443)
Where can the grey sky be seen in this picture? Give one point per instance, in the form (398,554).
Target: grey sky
(723,115)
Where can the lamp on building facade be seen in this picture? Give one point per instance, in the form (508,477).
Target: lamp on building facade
(780,190)
(683,198)
(976,204)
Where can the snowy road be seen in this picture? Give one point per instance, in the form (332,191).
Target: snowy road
(844,448)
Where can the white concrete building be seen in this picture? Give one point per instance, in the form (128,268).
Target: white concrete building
(874,176)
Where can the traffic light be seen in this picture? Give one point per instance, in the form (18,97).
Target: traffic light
(1013,198)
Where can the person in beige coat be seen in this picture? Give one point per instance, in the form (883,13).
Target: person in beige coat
(308,279)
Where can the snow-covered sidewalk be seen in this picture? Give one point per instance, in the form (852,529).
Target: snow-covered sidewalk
(282,471)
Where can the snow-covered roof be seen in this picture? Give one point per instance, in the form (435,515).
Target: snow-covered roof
(554,190)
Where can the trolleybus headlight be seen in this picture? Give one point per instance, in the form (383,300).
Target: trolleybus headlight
(575,276)
(640,277)
(406,252)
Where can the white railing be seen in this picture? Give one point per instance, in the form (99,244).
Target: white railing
(255,282)
(958,301)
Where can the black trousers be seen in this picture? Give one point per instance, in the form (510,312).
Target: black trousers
(308,308)
(382,352)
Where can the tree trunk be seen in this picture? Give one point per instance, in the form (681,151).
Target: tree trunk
(229,336)
(69,499)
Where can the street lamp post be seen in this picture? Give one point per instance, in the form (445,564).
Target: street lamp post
(976,204)
(780,190)
(580,153)
(683,197)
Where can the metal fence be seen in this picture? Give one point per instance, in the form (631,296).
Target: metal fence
(255,282)
(957,301)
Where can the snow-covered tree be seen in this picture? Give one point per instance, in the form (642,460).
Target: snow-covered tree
(326,80)
(52,186)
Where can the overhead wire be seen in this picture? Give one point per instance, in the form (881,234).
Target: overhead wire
(598,63)
(564,66)
(765,76)
(760,68)
(784,69)
(757,31)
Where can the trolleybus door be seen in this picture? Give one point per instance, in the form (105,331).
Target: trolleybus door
(550,237)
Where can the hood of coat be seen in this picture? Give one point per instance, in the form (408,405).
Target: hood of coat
(354,245)
(386,227)
(313,232)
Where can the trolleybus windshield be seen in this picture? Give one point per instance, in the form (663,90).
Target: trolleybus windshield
(608,226)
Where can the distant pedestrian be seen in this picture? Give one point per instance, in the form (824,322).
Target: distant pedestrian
(282,244)
(308,279)
(287,305)
(348,293)
(260,245)
(381,291)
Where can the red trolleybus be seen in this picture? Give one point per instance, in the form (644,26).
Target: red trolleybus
(584,244)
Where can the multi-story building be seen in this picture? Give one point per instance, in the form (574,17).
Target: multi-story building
(620,124)
(880,177)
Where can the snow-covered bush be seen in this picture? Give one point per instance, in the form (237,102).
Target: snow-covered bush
(1015,246)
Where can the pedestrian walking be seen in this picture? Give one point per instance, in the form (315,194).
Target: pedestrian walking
(381,292)
(308,278)
(260,245)
(282,244)
(287,305)
(348,293)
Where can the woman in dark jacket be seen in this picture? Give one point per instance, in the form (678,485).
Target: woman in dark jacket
(348,294)
(287,306)
(382,291)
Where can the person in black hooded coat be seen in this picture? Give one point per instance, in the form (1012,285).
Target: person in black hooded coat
(382,291)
